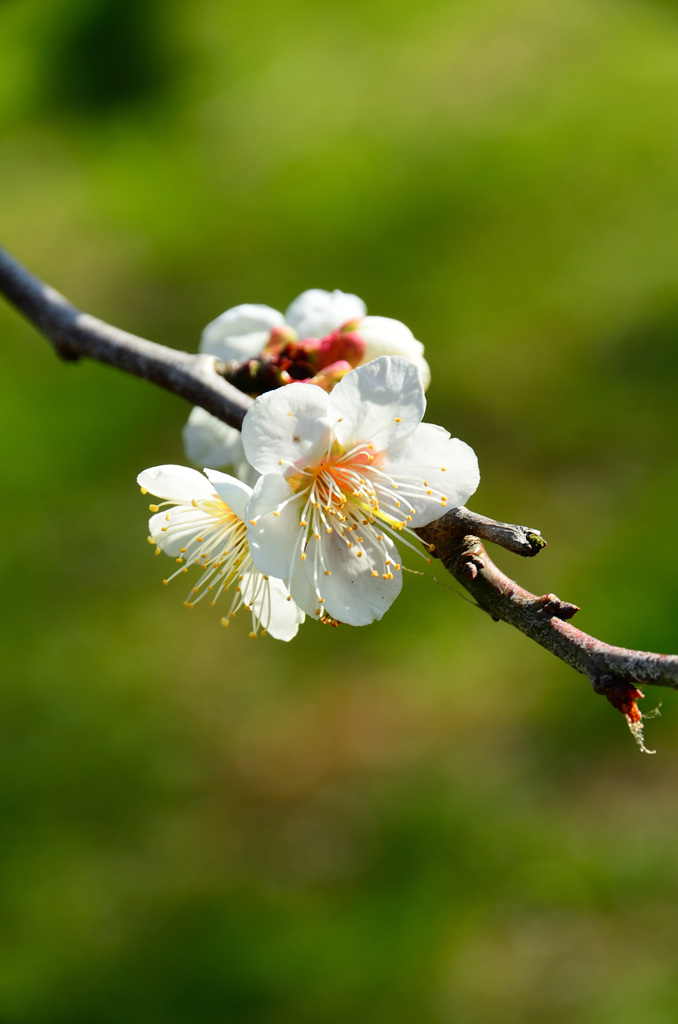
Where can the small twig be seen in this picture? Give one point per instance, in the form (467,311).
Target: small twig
(75,334)
(521,540)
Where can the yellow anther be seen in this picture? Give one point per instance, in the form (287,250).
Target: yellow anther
(165,582)
(194,503)
(253,636)
(443,469)
(429,492)
(288,598)
(182,550)
(150,540)
(374,572)
(185,569)
(253,522)
(263,632)
(359,554)
(275,512)
(154,508)
(178,560)
(199,540)
(302,522)
(395,487)
(396,566)
(144,490)
(431,547)
(398,419)
(327,572)
(329,529)
(225,621)
(163,529)
(303,556)
(281,462)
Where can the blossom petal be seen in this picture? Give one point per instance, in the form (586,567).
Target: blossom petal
(380,402)
(187,524)
(271,604)
(384,336)
(241,332)
(273,539)
(176,483)
(232,492)
(286,427)
(210,442)
(352,594)
(315,312)
(448,467)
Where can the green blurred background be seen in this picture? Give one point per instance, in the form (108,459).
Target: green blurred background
(432,819)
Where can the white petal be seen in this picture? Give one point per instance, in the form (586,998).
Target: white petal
(381,402)
(278,615)
(248,474)
(422,457)
(285,428)
(209,442)
(186,524)
(241,332)
(352,594)
(316,313)
(177,483)
(273,539)
(386,337)
(232,492)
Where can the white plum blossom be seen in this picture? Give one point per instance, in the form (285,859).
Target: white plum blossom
(342,475)
(243,331)
(200,523)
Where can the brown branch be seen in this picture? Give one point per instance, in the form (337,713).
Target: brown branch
(615,672)
(75,334)
(456,538)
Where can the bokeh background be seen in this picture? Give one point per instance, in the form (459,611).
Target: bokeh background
(426,820)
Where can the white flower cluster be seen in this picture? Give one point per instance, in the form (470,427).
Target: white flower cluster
(336,477)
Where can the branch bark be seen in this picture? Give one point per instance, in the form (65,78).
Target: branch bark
(74,334)
(456,538)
